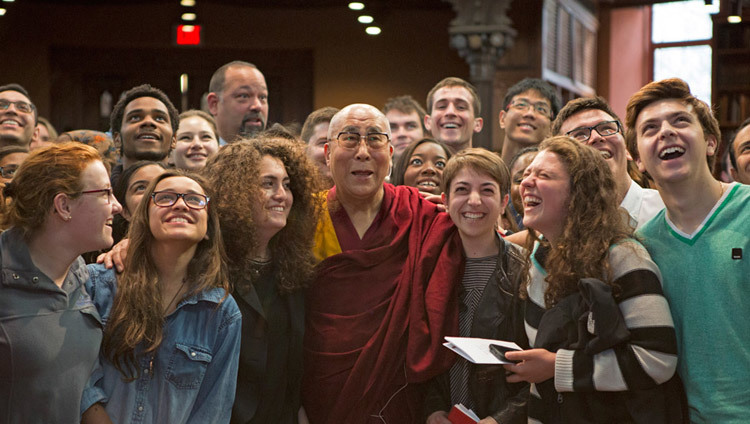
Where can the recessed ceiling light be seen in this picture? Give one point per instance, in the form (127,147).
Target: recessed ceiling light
(2,11)
(355,5)
(734,19)
(365,19)
(187,3)
(372,30)
(188,16)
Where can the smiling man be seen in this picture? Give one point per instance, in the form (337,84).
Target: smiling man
(238,99)
(144,123)
(405,117)
(18,116)
(739,153)
(529,107)
(591,121)
(700,242)
(383,296)
(453,109)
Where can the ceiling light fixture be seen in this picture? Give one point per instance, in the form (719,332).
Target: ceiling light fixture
(355,5)
(373,30)
(187,3)
(2,11)
(188,16)
(365,19)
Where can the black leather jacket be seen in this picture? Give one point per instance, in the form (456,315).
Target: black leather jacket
(499,316)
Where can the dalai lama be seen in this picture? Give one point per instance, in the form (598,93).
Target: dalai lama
(384,295)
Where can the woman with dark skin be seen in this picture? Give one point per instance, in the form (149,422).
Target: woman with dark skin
(421,166)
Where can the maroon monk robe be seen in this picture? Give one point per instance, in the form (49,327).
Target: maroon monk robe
(377,313)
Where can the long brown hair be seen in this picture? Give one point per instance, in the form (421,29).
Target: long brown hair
(235,177)
(594,222)
(137,317)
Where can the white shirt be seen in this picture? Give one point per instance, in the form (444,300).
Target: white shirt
(641,203)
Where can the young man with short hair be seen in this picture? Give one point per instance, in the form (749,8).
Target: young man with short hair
(453,109)
(701,243)
(405,117)
(144,123)
(739,153)
(529,107)
(591,121)
(18,116)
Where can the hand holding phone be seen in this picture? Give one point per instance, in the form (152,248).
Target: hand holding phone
(499,352)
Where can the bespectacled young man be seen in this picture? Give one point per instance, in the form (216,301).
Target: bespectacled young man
(528,109)
(591,121)
(18,116)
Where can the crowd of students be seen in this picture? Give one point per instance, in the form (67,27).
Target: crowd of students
(263,276)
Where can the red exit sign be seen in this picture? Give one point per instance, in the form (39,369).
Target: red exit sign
(188,35)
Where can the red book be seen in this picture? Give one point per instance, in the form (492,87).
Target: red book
(460,414)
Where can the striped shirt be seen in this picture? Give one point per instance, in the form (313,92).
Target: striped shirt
(648,358)
(477,273)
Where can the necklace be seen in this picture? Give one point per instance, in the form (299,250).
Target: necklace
(175,295)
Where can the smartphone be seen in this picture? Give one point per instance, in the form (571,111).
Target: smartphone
(499,352)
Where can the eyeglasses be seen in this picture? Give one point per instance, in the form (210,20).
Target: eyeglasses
(373,140)
(8,171)
(605,129)
(524,105)
(165,199)
(101,190)
(20,105)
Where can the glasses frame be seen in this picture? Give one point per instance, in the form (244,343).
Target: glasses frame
(100,190)
(179,195)
(547,112)
(590,129)
(363,137)
(31,106)
(3,170)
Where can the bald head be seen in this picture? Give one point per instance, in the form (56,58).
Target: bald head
(353,115)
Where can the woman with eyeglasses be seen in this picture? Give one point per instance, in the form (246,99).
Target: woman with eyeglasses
(61,206)
(266,202)
(172,334)
(11,158)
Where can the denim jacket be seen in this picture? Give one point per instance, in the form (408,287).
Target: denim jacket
(191,378)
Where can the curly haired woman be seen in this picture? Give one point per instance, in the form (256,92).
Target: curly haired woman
(604,342)
(268,211)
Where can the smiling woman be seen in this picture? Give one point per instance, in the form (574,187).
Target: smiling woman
(61,206)
(265,198)
(173,330)
(421,165)
(197,140)
(601,330)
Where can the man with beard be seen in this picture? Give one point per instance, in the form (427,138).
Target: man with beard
(238,99)
(143,122)
(18,116)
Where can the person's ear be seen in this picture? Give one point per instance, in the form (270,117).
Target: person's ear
(428,123)
(327,153)
(478,124)
(504,203)
(212,99)
(501,119)
(61,204)
(711,144)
